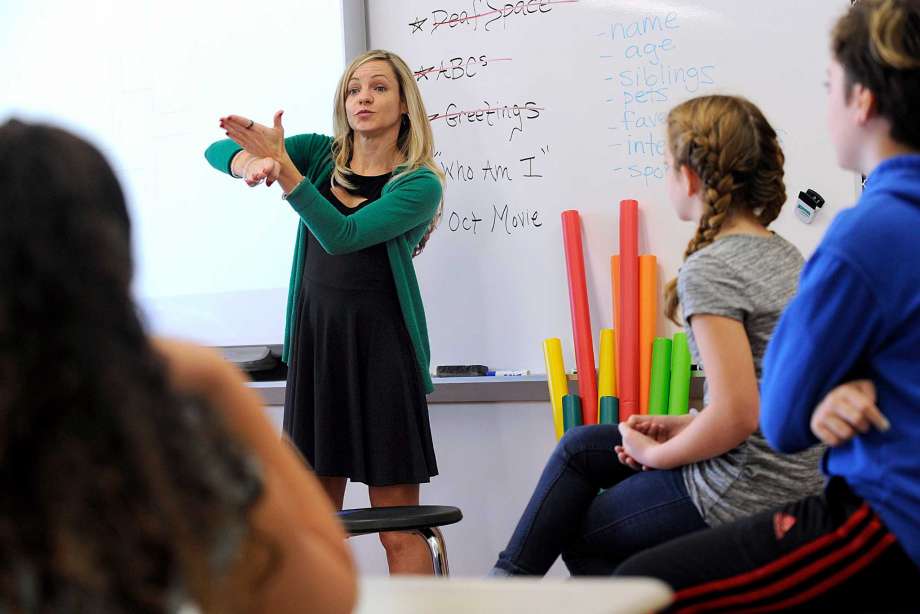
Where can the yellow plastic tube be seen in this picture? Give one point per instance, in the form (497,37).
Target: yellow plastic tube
(607,374)
(555,378)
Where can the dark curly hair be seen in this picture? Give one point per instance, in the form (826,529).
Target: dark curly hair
(118,494)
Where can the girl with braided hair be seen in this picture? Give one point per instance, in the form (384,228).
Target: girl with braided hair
(668,476)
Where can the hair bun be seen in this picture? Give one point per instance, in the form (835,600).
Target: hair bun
(890,34)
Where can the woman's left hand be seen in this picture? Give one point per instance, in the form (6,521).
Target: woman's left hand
(628,460)
(258,170)
(256,139)
(637,447)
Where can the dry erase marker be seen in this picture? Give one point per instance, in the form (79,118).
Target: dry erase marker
(509,372)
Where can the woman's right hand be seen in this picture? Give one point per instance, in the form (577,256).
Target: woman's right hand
(256,139)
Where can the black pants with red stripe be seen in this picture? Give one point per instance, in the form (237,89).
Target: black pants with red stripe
(828,553)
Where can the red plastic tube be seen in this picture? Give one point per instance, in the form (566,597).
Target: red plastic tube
(581,314)
(629,309)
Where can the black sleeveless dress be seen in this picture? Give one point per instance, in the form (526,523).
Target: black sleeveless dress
(355,405)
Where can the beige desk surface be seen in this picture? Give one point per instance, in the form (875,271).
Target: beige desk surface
(381,595)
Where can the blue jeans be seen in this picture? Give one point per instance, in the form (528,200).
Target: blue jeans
(595,532)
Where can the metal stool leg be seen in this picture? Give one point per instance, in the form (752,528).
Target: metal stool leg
(435,541)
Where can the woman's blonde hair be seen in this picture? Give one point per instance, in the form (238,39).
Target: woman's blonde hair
(731,146)
(415,141)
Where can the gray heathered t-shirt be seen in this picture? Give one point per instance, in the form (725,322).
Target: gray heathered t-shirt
(750,279)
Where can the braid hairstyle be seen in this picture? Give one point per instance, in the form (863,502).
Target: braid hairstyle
(730,145)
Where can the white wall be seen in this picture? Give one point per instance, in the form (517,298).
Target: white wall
(146,81)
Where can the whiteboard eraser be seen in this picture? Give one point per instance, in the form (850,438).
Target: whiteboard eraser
(808,205)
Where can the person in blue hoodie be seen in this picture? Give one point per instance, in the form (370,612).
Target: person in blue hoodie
(843,367)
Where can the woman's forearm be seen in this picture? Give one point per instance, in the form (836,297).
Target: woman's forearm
(290,177)
(715,431)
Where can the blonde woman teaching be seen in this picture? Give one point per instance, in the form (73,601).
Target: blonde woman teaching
(356,341)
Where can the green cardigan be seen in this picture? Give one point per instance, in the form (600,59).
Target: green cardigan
(399,218)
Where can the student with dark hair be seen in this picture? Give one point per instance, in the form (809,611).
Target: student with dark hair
(137,475)
(843,368)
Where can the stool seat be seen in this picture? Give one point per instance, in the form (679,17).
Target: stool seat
(423,520)
(365,520)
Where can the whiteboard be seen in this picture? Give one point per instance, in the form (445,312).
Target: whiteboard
(146,81)
(542,106)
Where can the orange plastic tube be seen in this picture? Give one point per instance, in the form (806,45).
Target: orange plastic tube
(581,315)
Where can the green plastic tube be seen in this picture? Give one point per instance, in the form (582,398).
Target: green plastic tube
(661,377)
(679,394)
(610,410)
(571,411)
